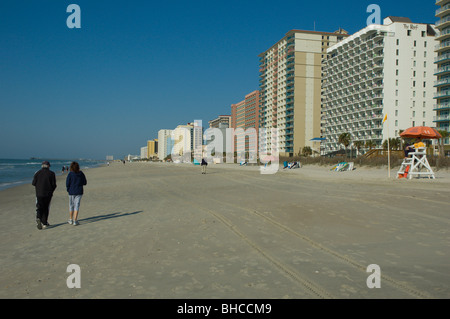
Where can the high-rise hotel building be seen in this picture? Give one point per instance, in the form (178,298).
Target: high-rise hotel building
(382,69)
(442,96)
(290,89)
(245,115)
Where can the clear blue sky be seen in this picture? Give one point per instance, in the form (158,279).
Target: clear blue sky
(136,67)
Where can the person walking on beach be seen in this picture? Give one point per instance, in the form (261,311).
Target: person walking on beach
(74,183)
(44,182)
(204,164)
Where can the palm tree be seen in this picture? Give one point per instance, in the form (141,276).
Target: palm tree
(358,145)
(345,139)
(370,144)
(444,135)
(307,151)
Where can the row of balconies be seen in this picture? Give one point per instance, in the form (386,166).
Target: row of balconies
(355,77)
(355,60)
(352,112)
(344,88)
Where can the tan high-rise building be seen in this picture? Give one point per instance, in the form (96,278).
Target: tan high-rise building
(290,88)
(152,148)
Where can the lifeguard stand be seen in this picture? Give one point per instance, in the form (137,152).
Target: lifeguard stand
(418,165)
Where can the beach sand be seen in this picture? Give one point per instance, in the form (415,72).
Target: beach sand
(159,230)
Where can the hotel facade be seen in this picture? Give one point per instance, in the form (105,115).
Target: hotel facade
(290,89)
(245,115)
(380,70)
(442,71)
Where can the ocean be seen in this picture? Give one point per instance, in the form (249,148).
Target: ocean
(14,172)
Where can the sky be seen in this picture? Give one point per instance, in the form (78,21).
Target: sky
(135,67)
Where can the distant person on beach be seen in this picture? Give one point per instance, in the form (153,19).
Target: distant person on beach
(44,182)
(74,183)
(204,164)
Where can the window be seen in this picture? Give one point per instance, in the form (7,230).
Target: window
(425,44)
(423,114)
(414,114)
(423,34)
(396,92)
(414,83)
(424,95)
(414,93)
(425,54)
(414,63)
(396,102)
(408,33)
(414,73)
(396,122)
(396,82)
(415,52)
(425,64)
(396,62)
(424,84)
(397,52)
(396,112)
(398,41)
(415,43)
(396,72)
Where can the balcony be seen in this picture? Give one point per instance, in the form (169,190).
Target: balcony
(442,82)
(442,70)
(442,2)
(441,118)
(441,106)
(442,94)
(442,58)
(443,23)
(442,46)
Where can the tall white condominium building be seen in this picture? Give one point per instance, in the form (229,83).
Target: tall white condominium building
(165,143)
(382,69)
(442,107)
(290,89)
(188,140)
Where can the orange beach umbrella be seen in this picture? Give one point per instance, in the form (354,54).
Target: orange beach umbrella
(424,132)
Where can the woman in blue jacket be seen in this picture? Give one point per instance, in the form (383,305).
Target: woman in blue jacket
(74,183)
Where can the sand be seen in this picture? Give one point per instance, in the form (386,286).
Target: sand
(165,231)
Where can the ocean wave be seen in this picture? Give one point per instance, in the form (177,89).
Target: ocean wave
(11,184)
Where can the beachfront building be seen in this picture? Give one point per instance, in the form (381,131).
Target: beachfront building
(152,148)
(442,71)
(165,143)
(221,121)
(188,140)
(380,70)
(290,89)
(245,115)
(144,153)
(183,138)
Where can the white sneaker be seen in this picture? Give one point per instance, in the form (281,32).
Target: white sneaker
(76,223)
(70,222)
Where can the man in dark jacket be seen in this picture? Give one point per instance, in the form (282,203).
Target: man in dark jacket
(44,182)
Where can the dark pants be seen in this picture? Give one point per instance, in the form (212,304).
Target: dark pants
(42,208)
